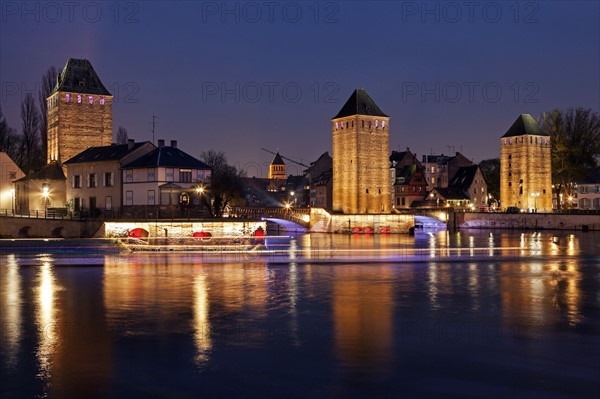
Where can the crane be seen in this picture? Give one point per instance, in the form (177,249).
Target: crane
(286,158)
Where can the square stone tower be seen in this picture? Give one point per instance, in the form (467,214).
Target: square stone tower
(79,112)
(525,166)
(361,151)
(277,168)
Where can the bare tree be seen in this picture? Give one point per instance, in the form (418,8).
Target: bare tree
(122,135)
(30,126)
(8,137)
(47,86)
(575,135)
(225,183)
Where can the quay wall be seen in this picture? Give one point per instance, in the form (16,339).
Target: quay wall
(18,227)
(527,221)
(322,221)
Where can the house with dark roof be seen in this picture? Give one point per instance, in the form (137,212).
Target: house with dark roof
(40,190)
(165,178)
(440,169)
(467,190)
(409,186)
(9,173)
(588,190)
(95,180)
(319,176)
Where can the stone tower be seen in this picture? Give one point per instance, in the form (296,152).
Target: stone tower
(525,167)
(277,168)
(79,112)
(361,176)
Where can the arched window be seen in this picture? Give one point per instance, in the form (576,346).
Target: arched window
(68,97)
(337,126)
(383,124)
(376,123)
(363,123)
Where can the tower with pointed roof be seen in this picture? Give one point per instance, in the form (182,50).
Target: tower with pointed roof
(277,168)
(79,112)
(361,179)
(525,166)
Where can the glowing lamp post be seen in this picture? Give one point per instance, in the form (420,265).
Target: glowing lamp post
(45,194)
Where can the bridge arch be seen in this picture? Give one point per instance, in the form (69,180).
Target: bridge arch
(288,225)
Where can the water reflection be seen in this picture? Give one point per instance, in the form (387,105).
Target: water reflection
(202,329)
(46,317)
(11,304)
(363,311)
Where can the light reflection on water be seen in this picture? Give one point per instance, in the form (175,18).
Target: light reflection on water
(350,329)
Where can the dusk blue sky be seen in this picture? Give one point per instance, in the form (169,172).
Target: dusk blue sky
(176,59)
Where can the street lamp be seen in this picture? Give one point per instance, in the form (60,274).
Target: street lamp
(45,194)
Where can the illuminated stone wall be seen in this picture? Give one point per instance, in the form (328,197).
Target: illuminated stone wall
(525,172)
(74,127)
(323,222)
(185,229)
(361,177)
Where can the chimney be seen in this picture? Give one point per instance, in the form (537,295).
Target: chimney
(174,143)
(161,143)
(130,144)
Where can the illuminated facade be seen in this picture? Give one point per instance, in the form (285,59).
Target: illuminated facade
(277,168)
(361,176)
(79,112)
(9,172)
(525,166)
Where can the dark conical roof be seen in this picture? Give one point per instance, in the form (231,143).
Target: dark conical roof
(360,103)
(277,160)
(525,124)
(78,76)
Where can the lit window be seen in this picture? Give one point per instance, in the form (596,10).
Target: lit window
(376,123)
(383,124)
(511,141)
(337,126)
(151,174)
(91,99)
(101,100)
(68,97)
(79,99)
(504,141)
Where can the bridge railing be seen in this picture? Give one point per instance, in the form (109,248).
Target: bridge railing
(296,215)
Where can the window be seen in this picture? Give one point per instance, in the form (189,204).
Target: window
(129,176)
(169,173)
(77,204)
(367,191)
(151,174)
(433,169)
(510,141)
(129,198)
(93,203)
(12,175)
(509,156)
(376,123)
(185,175)
(337,125)
(68,97)
(108,179)
(77,181)
(403,201)
(151,197)
(92,180)
(383,124)
(108,203)
(91,99)
(79,99)
(101,100)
